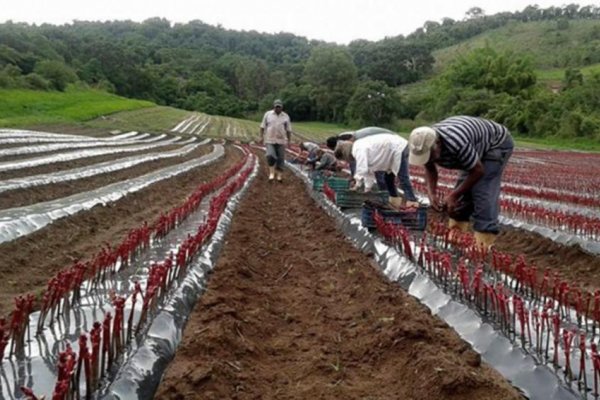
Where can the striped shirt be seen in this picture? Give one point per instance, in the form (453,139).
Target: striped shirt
(465,140)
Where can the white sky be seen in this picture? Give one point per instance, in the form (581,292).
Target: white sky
(335,21)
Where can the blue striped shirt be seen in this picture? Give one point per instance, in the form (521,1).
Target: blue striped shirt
(465,140)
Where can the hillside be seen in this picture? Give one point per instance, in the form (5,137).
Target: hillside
(25,108)
(549,44)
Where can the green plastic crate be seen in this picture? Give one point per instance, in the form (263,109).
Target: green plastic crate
(333,182)
(353,199)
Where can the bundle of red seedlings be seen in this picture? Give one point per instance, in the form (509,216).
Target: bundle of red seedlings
(328,192)
(109,338)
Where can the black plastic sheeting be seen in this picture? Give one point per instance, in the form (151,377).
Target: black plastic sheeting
(140,375)
(536,381)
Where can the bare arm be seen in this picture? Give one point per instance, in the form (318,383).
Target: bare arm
(472,178)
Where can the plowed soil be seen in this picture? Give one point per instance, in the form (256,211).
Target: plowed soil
(294,311)
(16,198)
(27,263)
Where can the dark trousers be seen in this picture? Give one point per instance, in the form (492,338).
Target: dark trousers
(276,155)
(403,177)
(482,202)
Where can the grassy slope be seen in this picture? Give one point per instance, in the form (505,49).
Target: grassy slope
(22,108)
(547,46)
(152,120)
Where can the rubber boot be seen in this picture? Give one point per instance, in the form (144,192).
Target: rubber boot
(396,202)
(462,226)
(456,227)
(485,239)
(271,173)
(279,176)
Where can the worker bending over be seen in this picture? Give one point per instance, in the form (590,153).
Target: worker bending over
(480,149)
(385,152)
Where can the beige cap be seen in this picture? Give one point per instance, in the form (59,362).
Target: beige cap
(420,142)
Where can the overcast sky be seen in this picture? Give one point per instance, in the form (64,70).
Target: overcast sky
(332,20)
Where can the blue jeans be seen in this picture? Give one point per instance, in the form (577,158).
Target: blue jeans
(482,201)
(276,155)
(403,177)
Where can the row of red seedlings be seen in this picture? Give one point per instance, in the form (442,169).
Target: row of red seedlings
(64,289)
(108,339)
(509,291)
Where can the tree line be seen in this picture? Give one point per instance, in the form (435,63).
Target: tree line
(197,66)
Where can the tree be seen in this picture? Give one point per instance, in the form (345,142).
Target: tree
(333,75)
(573,77)
(474,13)
(58,74)
(373,103)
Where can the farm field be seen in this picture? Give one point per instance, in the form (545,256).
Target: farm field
(107,242)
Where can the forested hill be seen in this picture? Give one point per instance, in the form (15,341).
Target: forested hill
(197,66)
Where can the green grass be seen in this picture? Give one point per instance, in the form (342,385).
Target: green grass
(318,131)
(22,108)
(559,143)
(156,119)
(558,74)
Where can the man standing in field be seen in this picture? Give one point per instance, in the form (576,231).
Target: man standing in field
(480,149)
(276,131)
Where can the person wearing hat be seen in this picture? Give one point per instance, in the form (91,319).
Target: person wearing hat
(362,133)
(276,131)
(480,149)
(385,152)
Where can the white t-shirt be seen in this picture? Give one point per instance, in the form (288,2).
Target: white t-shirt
(275,127)
(381,152)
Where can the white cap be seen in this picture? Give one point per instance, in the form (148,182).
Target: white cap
(420,142)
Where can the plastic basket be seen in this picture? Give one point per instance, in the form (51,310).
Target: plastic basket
(354,199)
(333,182)
(412,218)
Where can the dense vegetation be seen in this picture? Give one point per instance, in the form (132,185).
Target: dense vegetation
(196,66)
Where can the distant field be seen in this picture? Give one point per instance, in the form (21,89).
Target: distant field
(22,108)
(155,119)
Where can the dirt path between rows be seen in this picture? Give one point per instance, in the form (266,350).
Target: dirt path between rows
(27,263)
(82,162)
(294,311)
(16,198)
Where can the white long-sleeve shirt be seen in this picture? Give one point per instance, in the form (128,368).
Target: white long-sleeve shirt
(382,152)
